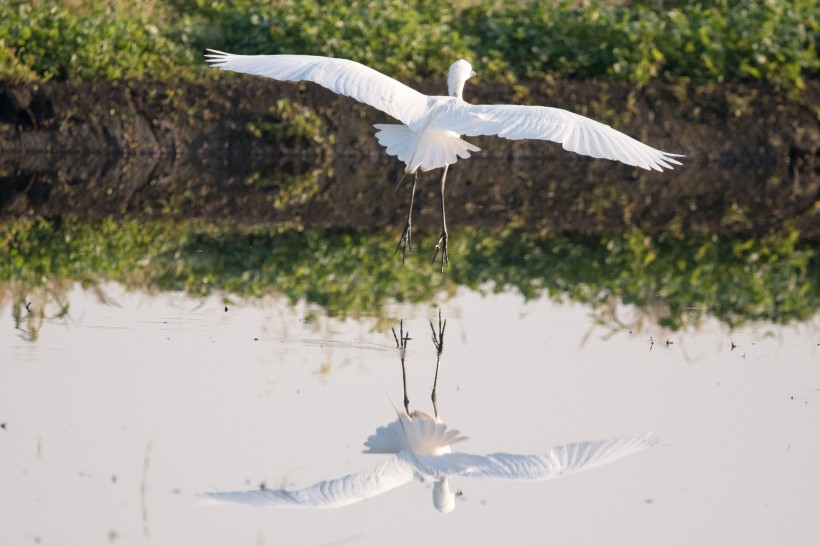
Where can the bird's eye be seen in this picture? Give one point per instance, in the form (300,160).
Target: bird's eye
(458,493)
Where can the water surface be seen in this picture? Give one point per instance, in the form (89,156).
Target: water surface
(129,404)
(169,328)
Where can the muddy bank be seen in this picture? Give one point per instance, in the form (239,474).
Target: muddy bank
(195,149)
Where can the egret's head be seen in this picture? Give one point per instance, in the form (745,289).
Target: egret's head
(460,72)
(443,499)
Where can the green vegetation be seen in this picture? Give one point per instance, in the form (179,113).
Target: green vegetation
(718,40)
(399,37)
(44,41)
(676,282)
(638,41)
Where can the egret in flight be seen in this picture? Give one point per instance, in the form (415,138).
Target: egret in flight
(429,135)
(421,449)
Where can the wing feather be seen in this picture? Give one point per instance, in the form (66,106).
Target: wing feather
(559,461)
(341,76)
(576,133)
(329,493)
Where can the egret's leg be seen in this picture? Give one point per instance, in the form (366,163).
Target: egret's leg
(406,234)
(401,344)
(438,341)
(442,241)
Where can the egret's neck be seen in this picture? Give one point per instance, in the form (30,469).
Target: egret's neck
(443,499)
(460,71)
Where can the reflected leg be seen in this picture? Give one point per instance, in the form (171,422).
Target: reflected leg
(442,241)
(406,234)
(438,341)
(401,344)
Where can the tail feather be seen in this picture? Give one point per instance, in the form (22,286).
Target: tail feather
(426,150)
(420,435)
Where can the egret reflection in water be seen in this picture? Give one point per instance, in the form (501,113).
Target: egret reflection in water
(421,445)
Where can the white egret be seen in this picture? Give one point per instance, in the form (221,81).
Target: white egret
(429,135)
(421,445)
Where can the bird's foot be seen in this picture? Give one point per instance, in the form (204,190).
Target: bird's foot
(441,246)
(405,242)
(406,239)
(438,337)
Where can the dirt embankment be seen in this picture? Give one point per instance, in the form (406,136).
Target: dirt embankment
(157,148)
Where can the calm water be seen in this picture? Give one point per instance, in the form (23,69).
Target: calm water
(167,330)
(127,403)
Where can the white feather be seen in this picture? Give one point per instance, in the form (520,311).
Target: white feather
(433,124)
(421,445)
(420,433)
(341,76)
(329,493)
(559,461)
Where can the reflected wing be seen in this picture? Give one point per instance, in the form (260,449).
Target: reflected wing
(558,462)
(576,133)
(341,76)
(330,493)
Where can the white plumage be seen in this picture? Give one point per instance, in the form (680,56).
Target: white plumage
(421,445)
(419,432)
(421,449)
(437,121)
(423,150)
(429,136)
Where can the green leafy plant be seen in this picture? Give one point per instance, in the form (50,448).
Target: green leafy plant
(53,42)
(641,41)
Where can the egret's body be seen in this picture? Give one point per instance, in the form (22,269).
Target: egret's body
(429,136)
(421,449)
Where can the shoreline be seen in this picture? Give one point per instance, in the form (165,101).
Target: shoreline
(227,148)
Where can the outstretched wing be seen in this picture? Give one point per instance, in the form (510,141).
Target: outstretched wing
(341,76)
(559,461)
(327,494)
(575,132)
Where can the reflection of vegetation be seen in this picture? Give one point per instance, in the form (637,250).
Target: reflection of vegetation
(32,306)
(289,121)
(773,279)
(346,273)
(682,280)
(285,189)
